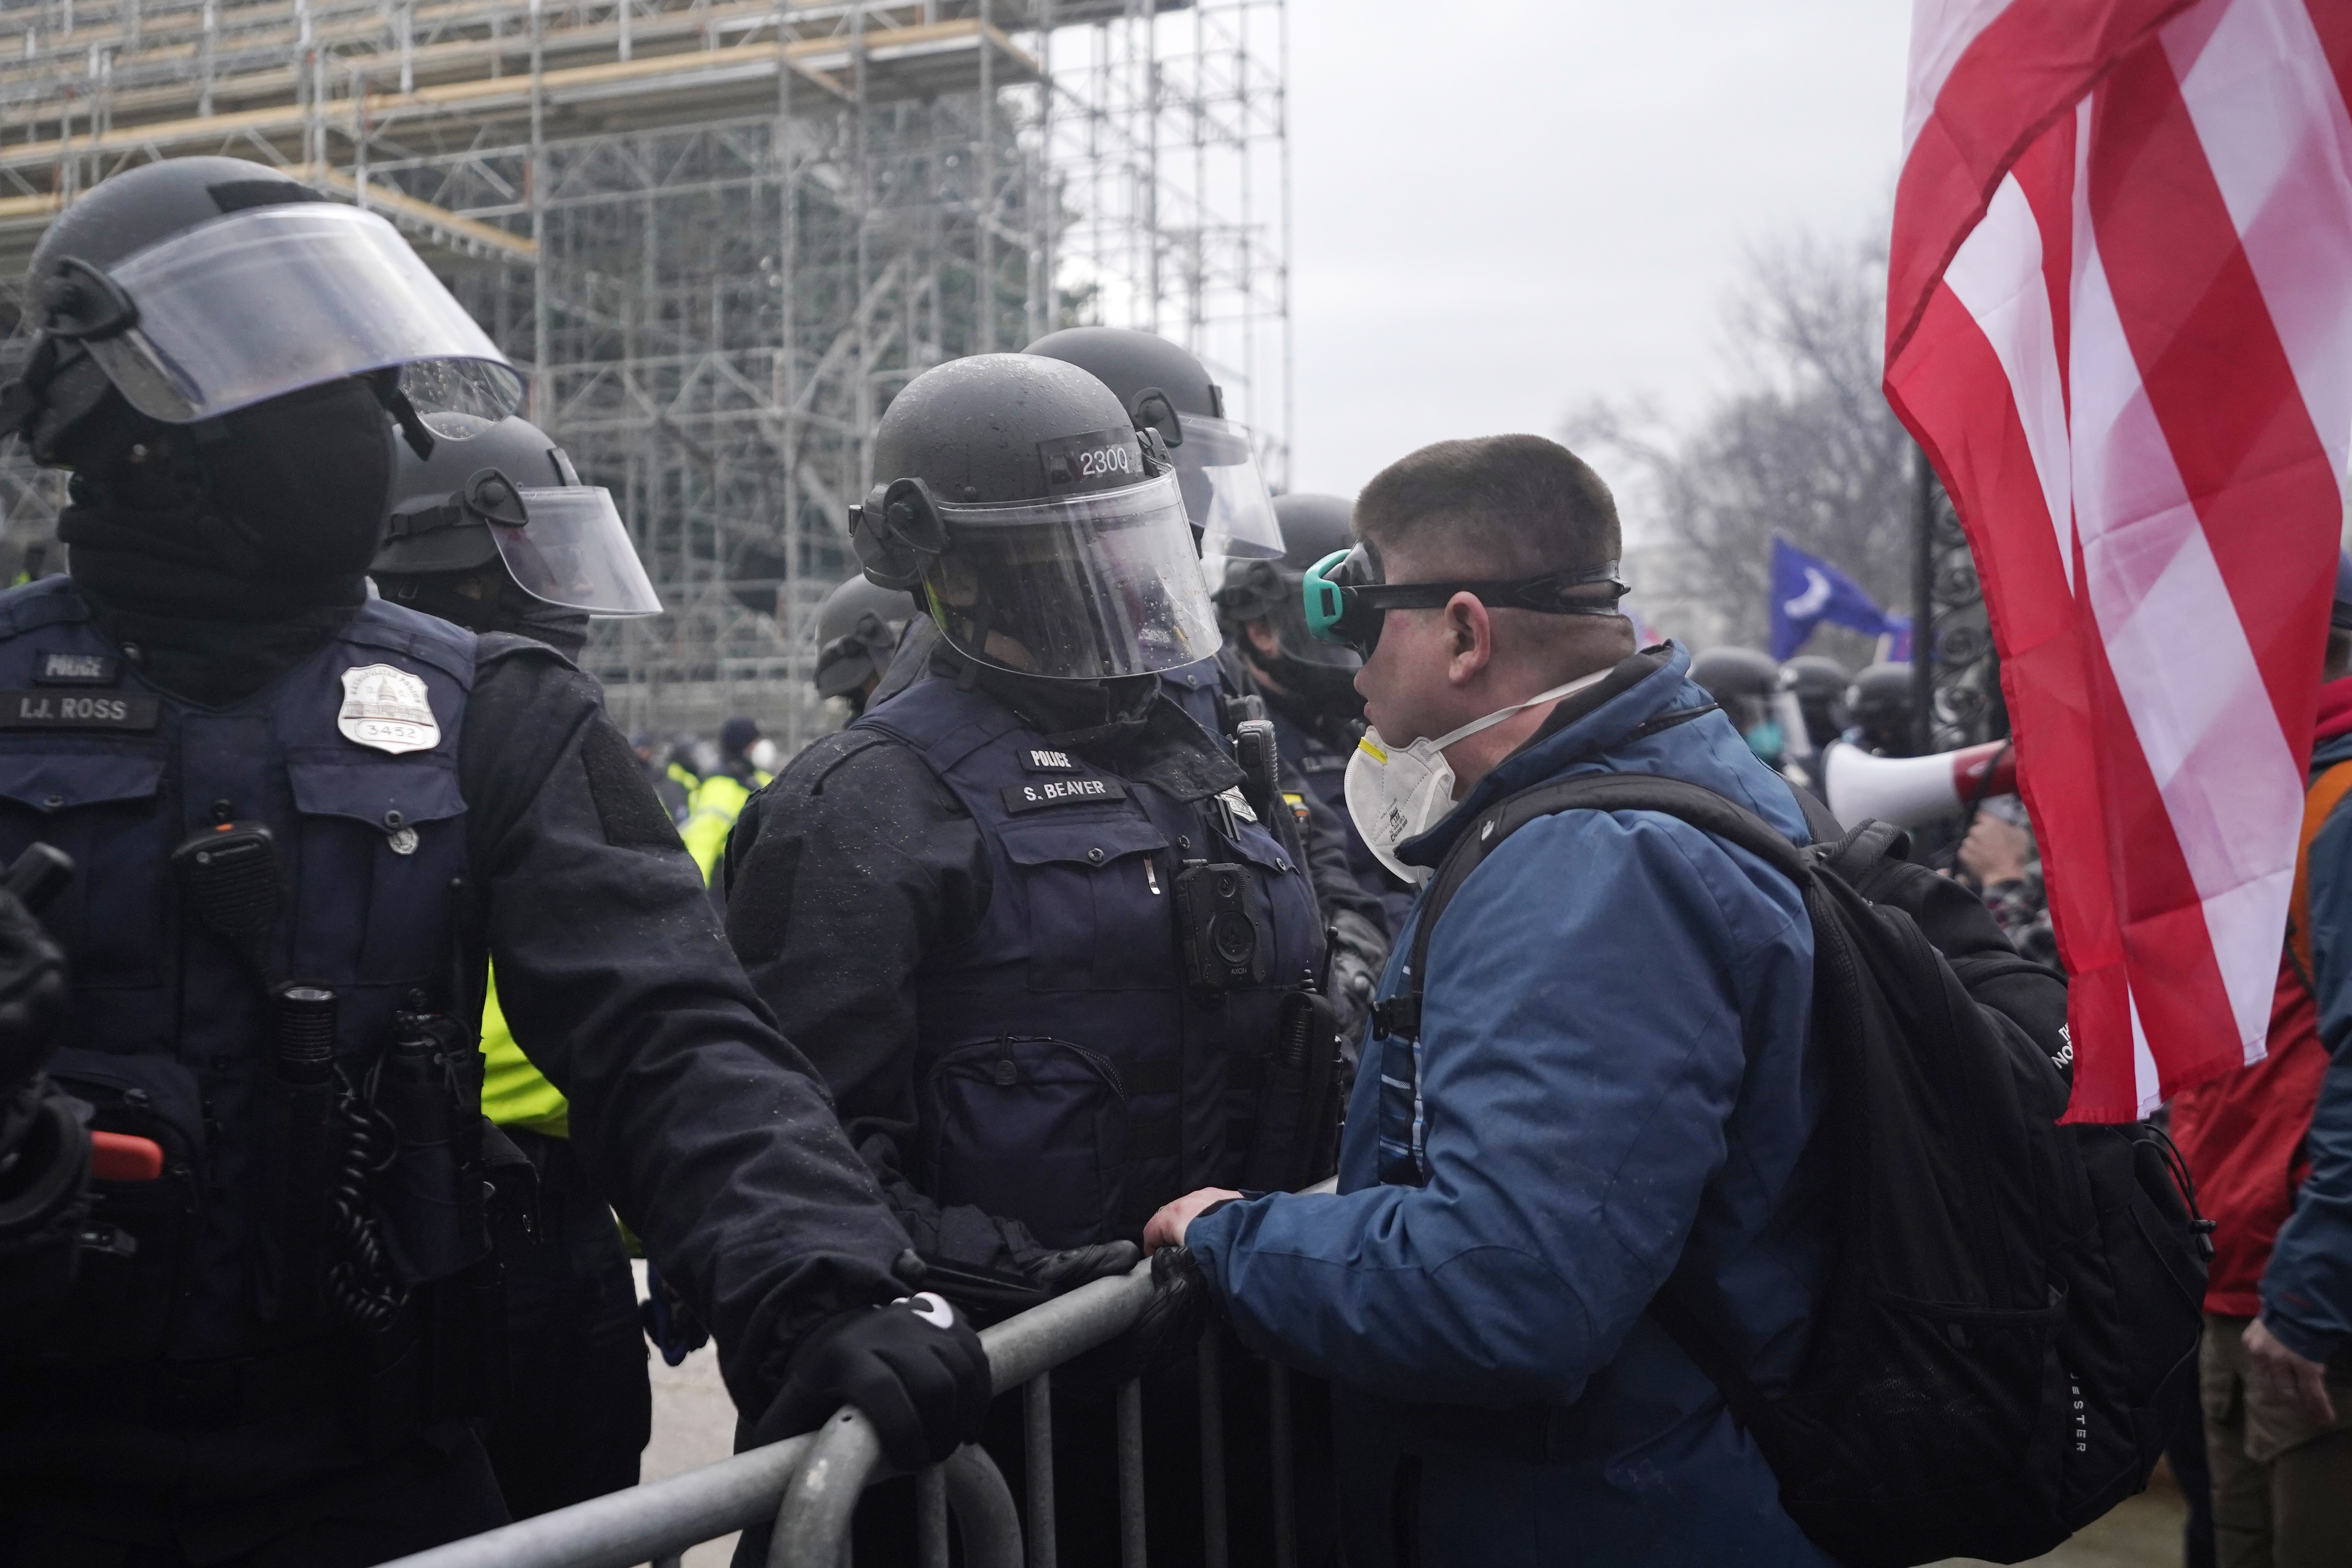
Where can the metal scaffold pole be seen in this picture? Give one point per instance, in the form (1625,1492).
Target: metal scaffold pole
(594,179)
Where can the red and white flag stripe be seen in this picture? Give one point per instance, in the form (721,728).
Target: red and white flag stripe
(2119,320)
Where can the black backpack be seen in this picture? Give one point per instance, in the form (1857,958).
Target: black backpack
(2015,1300)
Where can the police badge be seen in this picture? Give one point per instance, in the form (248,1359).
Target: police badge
(387,709)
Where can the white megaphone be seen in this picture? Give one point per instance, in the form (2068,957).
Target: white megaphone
(1912,792)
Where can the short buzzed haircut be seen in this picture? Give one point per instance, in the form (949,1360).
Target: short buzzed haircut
(1496,506)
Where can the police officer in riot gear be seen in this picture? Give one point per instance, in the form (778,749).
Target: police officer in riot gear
(578,1407)
(1818,683)
(1167,391)
(1309,686)
(1041,941)
(1745,683)
(857,631)
(1880,703)
(303,819)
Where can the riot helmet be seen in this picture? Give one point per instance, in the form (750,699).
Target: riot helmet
(1271,593)
(1046,537)
(1166,389)
(1879,701)
(196,287)
(222,360)
(504,491)
(1818,683)
(1744,682)
(857,629)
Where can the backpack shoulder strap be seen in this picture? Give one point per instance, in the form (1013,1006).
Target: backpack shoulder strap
(2319,803)
(1715,814)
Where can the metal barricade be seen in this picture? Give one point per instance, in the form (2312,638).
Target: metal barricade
(810,1485)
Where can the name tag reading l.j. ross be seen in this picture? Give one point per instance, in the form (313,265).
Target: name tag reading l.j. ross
(73,710)
(1061,792)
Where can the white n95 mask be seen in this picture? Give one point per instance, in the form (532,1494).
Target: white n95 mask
(1396,793)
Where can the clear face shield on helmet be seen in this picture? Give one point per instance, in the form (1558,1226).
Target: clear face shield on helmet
(272,300)
(1085,588)
(1224,491)
(574,551)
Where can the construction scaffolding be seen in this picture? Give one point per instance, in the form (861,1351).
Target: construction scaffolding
(720,236)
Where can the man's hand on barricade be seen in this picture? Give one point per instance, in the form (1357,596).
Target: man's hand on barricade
(914,1367)
(1167,1227)
(2292,1380)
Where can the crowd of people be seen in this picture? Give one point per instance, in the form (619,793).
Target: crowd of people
(1330,898)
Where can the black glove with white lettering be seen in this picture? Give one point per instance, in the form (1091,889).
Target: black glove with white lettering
(914,1367)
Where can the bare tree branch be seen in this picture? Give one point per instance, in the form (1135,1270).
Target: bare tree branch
(1804,446)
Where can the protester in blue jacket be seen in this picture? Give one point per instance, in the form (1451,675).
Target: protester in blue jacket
(1612,1084)
(2300,1348)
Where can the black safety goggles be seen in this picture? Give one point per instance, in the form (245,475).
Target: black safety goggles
(1346,600)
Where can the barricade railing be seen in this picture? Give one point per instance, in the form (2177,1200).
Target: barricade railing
(809,1485)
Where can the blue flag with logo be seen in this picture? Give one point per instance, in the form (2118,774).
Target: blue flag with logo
(1808,590)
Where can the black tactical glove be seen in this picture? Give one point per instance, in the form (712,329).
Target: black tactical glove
(32,995)
(914,1367)
(989,1266)
(32,1006)
(1166,1332)
(1056,1272)
(669,1321)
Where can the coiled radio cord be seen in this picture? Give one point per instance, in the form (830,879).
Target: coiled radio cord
(361,1287)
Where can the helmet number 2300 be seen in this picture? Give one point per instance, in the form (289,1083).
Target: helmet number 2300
(1104,461)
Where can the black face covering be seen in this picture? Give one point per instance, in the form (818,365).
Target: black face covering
(300,480)
(269,513)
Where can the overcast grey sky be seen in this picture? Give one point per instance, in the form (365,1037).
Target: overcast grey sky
(1504,207)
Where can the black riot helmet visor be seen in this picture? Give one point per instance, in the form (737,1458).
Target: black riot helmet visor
(1039,530)
(258,303)
(1165,388)
(503,490)
(1086,587)
(1345,599)
(1224,491)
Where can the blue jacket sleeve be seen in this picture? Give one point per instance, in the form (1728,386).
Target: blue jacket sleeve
(1593,989)
(2307,1286)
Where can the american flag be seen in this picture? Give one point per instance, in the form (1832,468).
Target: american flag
(2119,321)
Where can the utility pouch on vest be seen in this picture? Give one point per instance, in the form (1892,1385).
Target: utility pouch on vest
(298,1154)
(1035,1129)
(138,1252)
(1296,1097)
(430,1194)
(1220,923)
(512,1179)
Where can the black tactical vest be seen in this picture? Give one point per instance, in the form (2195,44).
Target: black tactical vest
(348,761)
(1072,1074)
